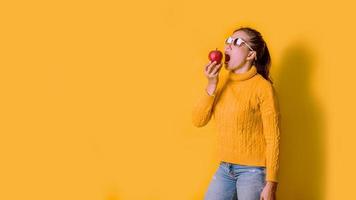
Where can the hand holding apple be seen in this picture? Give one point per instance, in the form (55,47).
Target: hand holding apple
(211,71)
(213,67)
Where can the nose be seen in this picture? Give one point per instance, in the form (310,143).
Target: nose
(227,47)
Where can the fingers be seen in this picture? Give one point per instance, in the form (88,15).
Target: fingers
(216,69)
(208,68)
(212,69)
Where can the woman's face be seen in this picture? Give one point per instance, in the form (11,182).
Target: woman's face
(239,55)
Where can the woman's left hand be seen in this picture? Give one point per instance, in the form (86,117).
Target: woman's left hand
(269,191)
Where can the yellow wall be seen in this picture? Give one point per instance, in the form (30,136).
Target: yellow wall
(96,96)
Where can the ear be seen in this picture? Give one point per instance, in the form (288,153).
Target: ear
(252,55)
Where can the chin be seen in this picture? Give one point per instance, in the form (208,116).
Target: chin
(234,66)
(228,66)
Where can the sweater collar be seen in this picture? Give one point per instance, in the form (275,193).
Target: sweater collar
(243,76)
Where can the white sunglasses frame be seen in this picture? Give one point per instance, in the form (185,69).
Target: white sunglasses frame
(239,41)
(231,40)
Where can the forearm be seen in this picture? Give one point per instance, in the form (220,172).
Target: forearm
(202,110)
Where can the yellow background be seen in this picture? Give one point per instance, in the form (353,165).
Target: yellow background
(96,96)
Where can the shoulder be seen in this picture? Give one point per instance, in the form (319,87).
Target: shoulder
(263,85)
(265,89)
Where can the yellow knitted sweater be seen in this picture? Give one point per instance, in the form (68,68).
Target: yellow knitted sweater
(246,111)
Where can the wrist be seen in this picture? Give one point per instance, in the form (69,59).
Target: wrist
(210,91)
(213,81)
(272,185)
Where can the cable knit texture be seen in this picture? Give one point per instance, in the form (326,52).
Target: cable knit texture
(246,111)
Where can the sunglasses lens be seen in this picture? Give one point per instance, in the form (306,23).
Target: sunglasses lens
(237,42)
(228,41)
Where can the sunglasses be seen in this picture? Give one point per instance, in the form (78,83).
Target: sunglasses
(237,42)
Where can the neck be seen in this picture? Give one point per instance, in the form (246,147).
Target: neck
(245,75)
(246,67)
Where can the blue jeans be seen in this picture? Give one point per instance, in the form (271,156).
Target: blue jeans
(236,182)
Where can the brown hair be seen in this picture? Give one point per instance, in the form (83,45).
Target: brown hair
(263,62)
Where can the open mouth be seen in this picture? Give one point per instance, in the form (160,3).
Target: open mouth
(227,58)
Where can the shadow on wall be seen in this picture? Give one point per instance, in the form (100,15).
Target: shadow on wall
(112,196)
(302,156)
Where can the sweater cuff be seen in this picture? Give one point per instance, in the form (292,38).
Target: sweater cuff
(272,175)
(207,99)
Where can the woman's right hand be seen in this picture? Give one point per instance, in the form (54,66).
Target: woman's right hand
(212,72)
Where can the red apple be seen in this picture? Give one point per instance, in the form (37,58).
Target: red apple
(215,55)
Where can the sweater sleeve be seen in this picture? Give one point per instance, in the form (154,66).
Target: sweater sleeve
(270,113)
(202,110)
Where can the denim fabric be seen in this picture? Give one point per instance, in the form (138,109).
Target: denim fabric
(236,182)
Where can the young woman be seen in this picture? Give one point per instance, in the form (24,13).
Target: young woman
(246,111)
